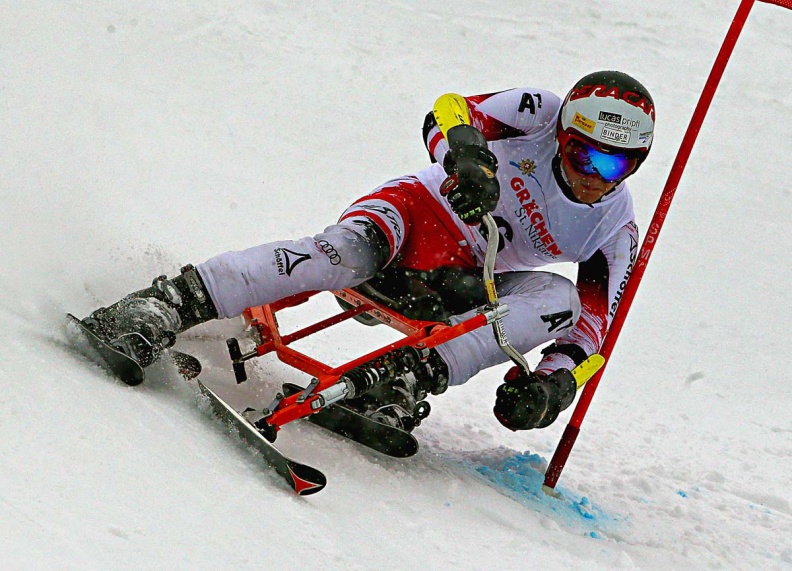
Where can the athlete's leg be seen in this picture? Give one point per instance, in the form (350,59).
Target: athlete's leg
(543,306)
(344,255)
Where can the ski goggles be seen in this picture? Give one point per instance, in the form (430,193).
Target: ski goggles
(587,159)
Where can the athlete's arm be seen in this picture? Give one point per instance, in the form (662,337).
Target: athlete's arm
(510,113)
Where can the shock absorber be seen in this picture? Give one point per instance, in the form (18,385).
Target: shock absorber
(377,372)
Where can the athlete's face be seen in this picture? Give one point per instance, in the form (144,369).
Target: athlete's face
(586,188)
(593,170)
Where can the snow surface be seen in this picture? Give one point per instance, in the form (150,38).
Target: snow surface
(138,136)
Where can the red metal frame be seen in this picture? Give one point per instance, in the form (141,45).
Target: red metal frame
(418,334)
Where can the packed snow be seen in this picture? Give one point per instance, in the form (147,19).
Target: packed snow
(140,136)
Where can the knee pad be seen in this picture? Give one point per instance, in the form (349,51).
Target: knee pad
(355,246)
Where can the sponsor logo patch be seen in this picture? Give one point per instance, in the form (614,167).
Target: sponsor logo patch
(286,260)
(560,320)
(527,167)
(633,257)
(631,97)
(533,221)
(584,123)
(615,135)
(610,117)
(329,251)
(630,123)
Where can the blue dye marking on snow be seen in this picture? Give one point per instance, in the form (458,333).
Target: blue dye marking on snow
(764,509)
(681,493)
(521,476)
(584,508)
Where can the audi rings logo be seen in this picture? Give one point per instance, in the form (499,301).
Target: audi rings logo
(330,252)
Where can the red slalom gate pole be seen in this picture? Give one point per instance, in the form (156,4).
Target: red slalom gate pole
(573,428)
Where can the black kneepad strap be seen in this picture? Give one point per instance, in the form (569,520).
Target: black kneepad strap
(574,352)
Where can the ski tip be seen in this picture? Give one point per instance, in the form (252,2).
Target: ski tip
(306,480)
(303,479)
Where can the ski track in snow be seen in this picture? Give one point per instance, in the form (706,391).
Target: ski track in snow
(139,137)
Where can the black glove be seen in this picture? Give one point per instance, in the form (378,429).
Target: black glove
(533,401)
(471,186)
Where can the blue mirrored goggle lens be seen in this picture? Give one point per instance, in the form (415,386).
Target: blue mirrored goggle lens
(588,160)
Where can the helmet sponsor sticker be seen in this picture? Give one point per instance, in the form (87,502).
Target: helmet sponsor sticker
(600,90)
(615,135)
(610,117)
(617,120)
(584,123)
(630,123)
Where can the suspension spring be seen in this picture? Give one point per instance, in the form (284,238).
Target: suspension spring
(382,370)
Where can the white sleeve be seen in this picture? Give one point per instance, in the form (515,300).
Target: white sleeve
(510,113)
(514,112)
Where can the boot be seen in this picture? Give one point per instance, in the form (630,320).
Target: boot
(400,402)
(146,322)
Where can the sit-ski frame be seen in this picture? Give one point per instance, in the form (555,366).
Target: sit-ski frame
(422,335)
(325,388)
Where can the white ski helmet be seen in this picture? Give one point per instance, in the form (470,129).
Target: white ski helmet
(612,111)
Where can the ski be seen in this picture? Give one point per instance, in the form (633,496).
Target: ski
(121,365)
(303,479)
(350,424)
(109,358)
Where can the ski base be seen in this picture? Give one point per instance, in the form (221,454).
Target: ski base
(303,479)
(110,359)
(350,424)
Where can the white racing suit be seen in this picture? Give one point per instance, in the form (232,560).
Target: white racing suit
(540,224)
